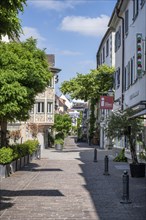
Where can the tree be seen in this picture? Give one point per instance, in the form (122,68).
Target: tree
(121,124)
(62,123)
(10,23)
(89,86)
(24,72)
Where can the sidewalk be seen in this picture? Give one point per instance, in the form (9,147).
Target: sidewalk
(68,185)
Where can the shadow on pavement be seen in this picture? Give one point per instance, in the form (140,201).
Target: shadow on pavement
(7,202)
(106,191)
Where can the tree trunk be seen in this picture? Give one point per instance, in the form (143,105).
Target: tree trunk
(133,152)
(3,125)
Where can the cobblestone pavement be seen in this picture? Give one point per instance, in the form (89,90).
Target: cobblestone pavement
(68,185)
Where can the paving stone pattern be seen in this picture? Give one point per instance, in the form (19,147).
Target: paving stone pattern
(68,185)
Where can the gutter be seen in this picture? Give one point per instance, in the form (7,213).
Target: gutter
(117,10)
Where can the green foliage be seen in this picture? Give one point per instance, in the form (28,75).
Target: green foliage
(121,156)
(24,72)
(59,141)
(32,145)
(10,23)
(92,119)
(13,152)
(91,85)
(142,154)
(6,155)
(62,123)
(79,121)
(59,138)
(59,135)
(120,124)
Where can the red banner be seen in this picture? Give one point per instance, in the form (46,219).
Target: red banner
(106,102)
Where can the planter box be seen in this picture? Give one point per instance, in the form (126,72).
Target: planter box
(5,170)
(137,170)
(18,164)
(59,147)
(13,166)
(22,162)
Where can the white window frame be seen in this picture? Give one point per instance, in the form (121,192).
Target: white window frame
(126,22)
(40,107)
(135,9)
(50,107)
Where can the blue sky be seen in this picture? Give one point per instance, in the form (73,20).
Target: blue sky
(70,29)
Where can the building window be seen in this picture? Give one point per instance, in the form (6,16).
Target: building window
(40,107)
(132,71)
(50,107)
(124,87)
(128,75)
(117,79)
(142,3)
(107,47)
(126,22)
(103,52)
(118,39)
(135,8)
(51,82)
(101,58)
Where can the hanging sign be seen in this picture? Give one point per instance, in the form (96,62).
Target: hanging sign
(106,102)
(139,53)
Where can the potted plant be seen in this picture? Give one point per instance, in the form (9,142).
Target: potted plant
(122,124)
(59,144)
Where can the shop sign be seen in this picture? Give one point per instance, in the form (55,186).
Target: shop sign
(106,102)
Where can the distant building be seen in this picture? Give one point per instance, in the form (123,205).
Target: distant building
(60,105)
(42,114)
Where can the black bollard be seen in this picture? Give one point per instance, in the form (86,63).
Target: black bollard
(95,154)
(106,173)
(125,197)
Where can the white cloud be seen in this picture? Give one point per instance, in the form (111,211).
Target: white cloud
(56,5)
(85,25)
(33,32)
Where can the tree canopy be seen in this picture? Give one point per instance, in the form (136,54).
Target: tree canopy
(62,123)
(10,23)
(24,72)
(91,85)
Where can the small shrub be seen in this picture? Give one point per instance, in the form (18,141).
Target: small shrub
(59,141)
(59,135)
(32,146)
(121,156)
(6,155)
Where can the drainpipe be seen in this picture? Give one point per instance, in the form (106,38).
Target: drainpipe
(123,55)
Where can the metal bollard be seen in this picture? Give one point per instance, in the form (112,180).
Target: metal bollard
(125,197)
(95,154)
(106,173)
(39,152)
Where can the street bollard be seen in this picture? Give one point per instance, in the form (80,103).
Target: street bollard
(95,154)
(125,197)
(106,173)
(39,152)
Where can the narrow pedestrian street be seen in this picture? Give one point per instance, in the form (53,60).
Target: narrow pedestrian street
(69,185)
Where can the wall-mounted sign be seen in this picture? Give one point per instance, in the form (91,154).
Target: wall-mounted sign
(139,53)
(106,102)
